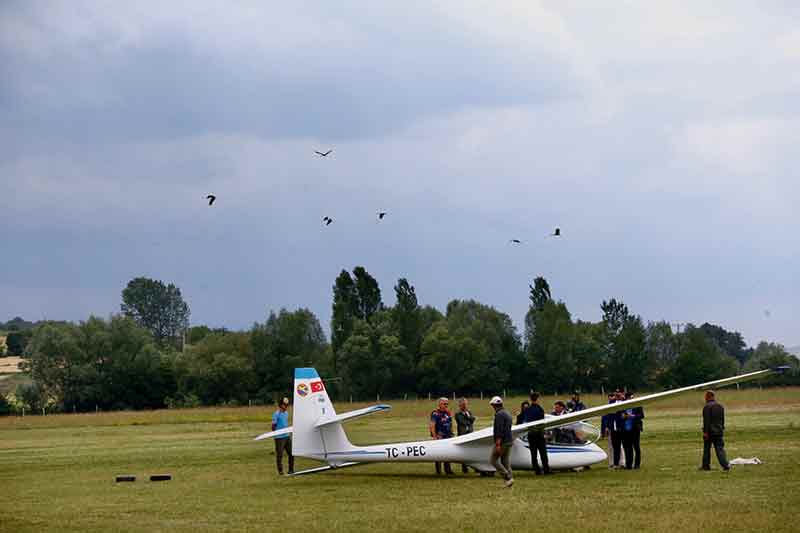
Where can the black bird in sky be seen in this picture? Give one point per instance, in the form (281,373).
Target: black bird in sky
(515,241)
(323,154)
(381,214)
(556,233)
(327,220)
(211,199)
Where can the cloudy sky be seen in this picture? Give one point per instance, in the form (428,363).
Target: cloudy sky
(660,136)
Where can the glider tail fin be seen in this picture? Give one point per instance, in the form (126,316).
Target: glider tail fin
(311,407)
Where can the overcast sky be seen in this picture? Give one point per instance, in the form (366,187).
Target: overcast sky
(661,137)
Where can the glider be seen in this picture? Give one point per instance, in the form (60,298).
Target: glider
(323,154)
(318,433)
(211,199)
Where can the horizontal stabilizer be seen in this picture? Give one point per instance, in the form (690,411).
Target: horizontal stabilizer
(273,434)
(323,469)
(352,414)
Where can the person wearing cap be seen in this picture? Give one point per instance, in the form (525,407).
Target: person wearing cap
(283,443)
(503,440)
(441,427)
(465,423)
(536,441)
(713,428)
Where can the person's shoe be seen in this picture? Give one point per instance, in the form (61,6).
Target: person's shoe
(538,473)
(726,469)
(705,468)
(291,472)
(509,482)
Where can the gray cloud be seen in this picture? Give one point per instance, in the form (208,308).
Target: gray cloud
(658,137)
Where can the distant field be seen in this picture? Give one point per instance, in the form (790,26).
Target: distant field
(57,473)
(10,365)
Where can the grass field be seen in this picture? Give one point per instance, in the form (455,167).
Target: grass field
(57,474)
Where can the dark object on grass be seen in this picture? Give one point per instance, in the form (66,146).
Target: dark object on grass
(125,478)
(160,477)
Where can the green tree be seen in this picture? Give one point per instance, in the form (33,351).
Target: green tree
(662,349)
(407,317)
(550,348)
(368,294)
(485,341)
(16,341)
(730,342)
(700,359)
(217,370)
(628,364)
(157,307)
(772,355)
(345,304)
(31,396)
(286,340)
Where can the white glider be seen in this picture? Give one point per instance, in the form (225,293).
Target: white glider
(318,433)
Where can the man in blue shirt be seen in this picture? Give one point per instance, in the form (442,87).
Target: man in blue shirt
(441,427)
(280,420)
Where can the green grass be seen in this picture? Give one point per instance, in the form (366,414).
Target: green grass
(57,474)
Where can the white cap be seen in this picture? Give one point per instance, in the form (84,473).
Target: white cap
(497,400)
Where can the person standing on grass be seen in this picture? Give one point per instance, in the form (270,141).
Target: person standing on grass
(713,428)
(608,429)
(521,415)
(465,423)
(503,440)
(283,443)
(631,433)
(536,441)
(441,427)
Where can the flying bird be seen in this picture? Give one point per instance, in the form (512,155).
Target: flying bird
(323,154)
(211,199)
(381,214)
(327,220)
(556,233)
(515,241)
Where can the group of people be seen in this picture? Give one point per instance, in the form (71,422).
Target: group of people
(623,430)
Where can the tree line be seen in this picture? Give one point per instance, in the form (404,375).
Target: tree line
(148,357)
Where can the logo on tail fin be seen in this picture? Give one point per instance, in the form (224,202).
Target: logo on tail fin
(317,386)
(302,389)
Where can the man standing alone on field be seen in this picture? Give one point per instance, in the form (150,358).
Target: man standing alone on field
(503,440)
(465,423)
(536,441)
(713,428)
(280,420)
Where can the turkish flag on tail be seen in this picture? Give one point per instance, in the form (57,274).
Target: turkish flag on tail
(317,386)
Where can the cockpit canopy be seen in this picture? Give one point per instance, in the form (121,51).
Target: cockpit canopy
(575,434)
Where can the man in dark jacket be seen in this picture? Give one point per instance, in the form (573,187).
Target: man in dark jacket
(713,428)
(631,433)
(503,441)
(465,423)
(536,441)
